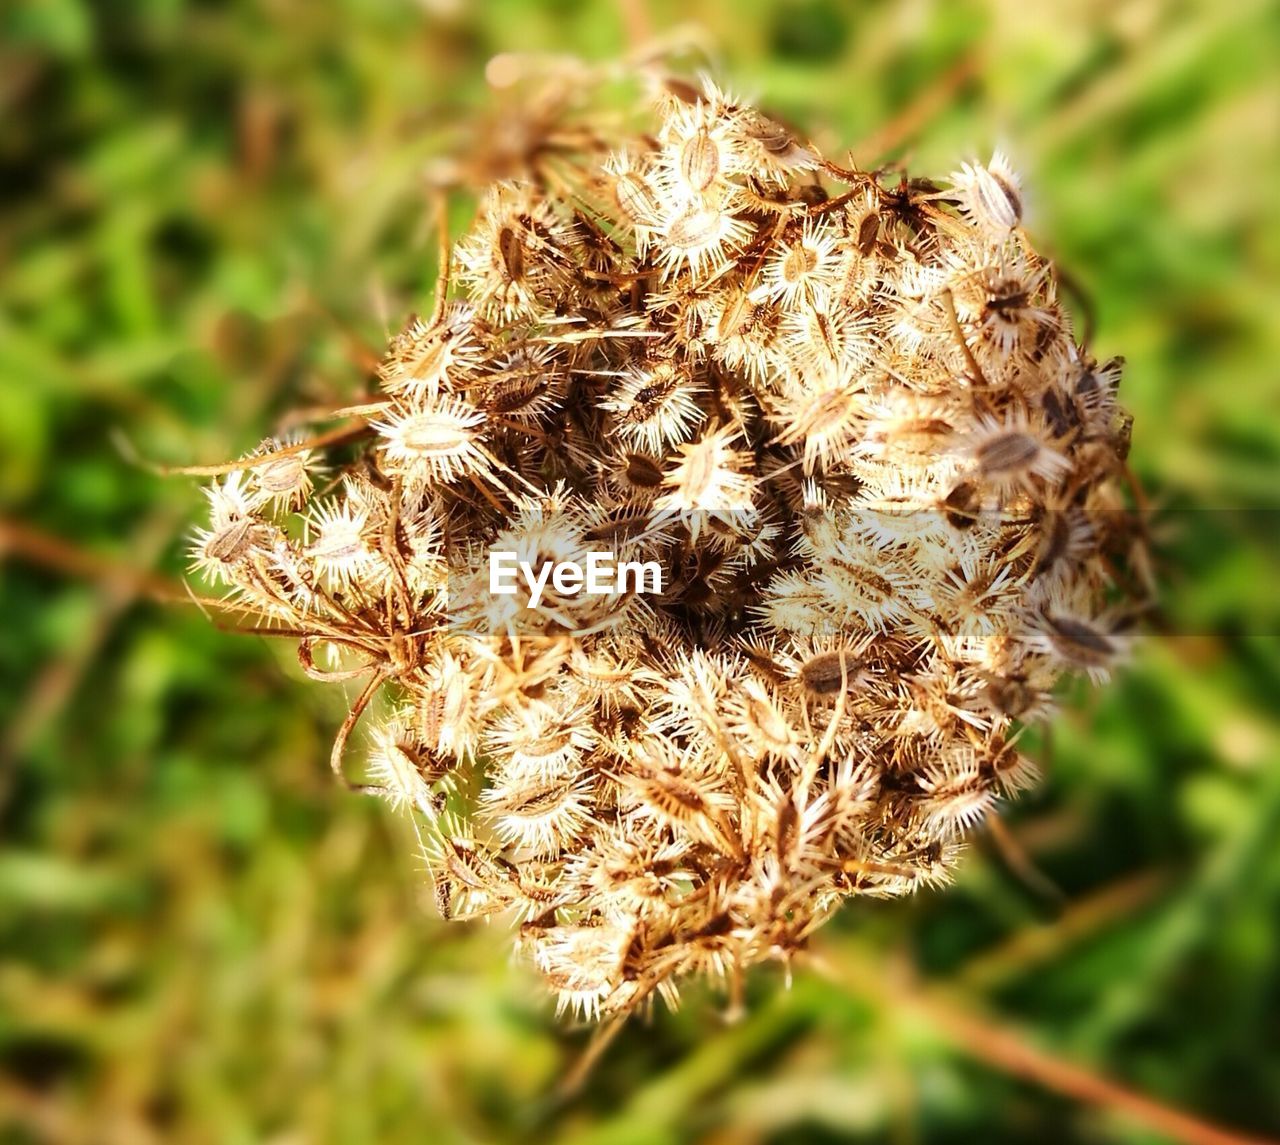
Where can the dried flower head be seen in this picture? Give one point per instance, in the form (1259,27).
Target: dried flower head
(848,419)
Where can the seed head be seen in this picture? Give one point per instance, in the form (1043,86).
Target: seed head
(849,420)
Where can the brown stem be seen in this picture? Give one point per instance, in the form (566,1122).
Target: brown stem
(602,1037)
(1019,862)
(1005,1048)
(334,436)
(953,319)
(936,97)
(1032,945)
(348,725)
(19,539)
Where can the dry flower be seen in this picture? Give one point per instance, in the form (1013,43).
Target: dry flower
(845,414)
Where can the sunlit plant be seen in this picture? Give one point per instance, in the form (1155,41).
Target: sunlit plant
(846,414)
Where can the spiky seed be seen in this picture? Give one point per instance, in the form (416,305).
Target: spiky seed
(636,199)
(799,261)
(868,232)
(1079,642)
(1010,452)
(772,136)
(822,674)
(232,542)
(643,471)
(511,248)
(697,227)
(700,160)
(1000,199)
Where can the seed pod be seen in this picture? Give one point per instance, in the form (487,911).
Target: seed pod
(643,471)
(1081,644)
(511,249)
(990,195)
(736,316)
(821,675)
(799,261)
(232,542)
(698,227)
(689,355)
(1012,452)
(433,433)
(635,197)
(772,136)
(283,479)
(868,232)
(699,160)
(999,199)
(766,723)
(436,443)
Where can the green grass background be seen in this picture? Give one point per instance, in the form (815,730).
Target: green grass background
(204,209)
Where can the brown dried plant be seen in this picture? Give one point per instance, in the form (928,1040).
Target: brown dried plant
(847,414)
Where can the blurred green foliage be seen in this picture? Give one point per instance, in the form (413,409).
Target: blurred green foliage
(207,210)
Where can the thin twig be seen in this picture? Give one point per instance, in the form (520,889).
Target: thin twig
(1031,945)
(45,550)
(953,319)
(344,732)
(1005,1048)
(1019,862)
(56,682)
(602,1037)
(347,432)
(444,267)
(935,98)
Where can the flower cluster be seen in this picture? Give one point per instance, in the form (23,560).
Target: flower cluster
(846,413)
